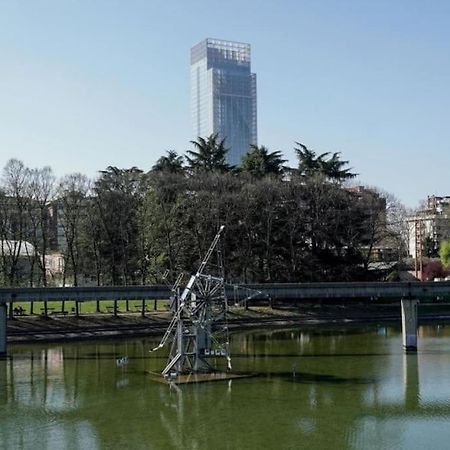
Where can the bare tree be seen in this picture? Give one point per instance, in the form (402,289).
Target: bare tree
(385,223)
(72,208)
(41,190)
(13,224)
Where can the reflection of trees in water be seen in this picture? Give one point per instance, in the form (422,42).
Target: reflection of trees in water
(335,368)
(4,390)
(303,343)
(307,393)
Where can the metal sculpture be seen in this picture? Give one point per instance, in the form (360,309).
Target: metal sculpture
(193,331)
(198,331)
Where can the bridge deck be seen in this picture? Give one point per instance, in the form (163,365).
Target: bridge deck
(293,291)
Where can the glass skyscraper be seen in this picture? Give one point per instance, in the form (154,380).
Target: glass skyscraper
(223,95)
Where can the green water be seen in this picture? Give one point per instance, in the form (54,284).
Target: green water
(346,387)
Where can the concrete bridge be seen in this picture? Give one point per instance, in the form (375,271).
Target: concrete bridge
(407,293)
(276,291)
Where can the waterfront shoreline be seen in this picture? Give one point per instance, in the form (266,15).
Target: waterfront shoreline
(30,329)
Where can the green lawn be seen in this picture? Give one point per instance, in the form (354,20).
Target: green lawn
(90,307)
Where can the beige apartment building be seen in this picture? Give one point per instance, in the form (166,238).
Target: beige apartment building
(429,226)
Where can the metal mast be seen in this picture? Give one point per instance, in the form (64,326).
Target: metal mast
(201,304)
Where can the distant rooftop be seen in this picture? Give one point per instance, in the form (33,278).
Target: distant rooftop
(13,248)
(221,50)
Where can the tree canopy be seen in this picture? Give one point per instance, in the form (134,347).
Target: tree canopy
(331,167)
(209,155)
(444,254)
(259,162)
(129,227)
(171,162)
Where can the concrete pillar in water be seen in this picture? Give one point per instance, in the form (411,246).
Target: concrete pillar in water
(2,329)
(409,323)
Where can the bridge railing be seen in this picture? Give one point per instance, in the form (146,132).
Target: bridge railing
(287,291)
(102,293)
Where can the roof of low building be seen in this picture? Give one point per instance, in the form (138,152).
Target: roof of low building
(13,247)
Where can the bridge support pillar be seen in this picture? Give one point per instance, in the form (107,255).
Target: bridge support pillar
(409,324)
(3,324)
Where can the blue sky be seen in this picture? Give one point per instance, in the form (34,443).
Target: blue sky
(89,83)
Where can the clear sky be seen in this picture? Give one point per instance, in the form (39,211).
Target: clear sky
(89,83)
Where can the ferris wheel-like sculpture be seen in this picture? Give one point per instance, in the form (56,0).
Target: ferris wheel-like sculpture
(198,332)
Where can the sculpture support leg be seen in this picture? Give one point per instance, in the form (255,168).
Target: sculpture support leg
(409,324)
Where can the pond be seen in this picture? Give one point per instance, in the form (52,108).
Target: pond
(346,387)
